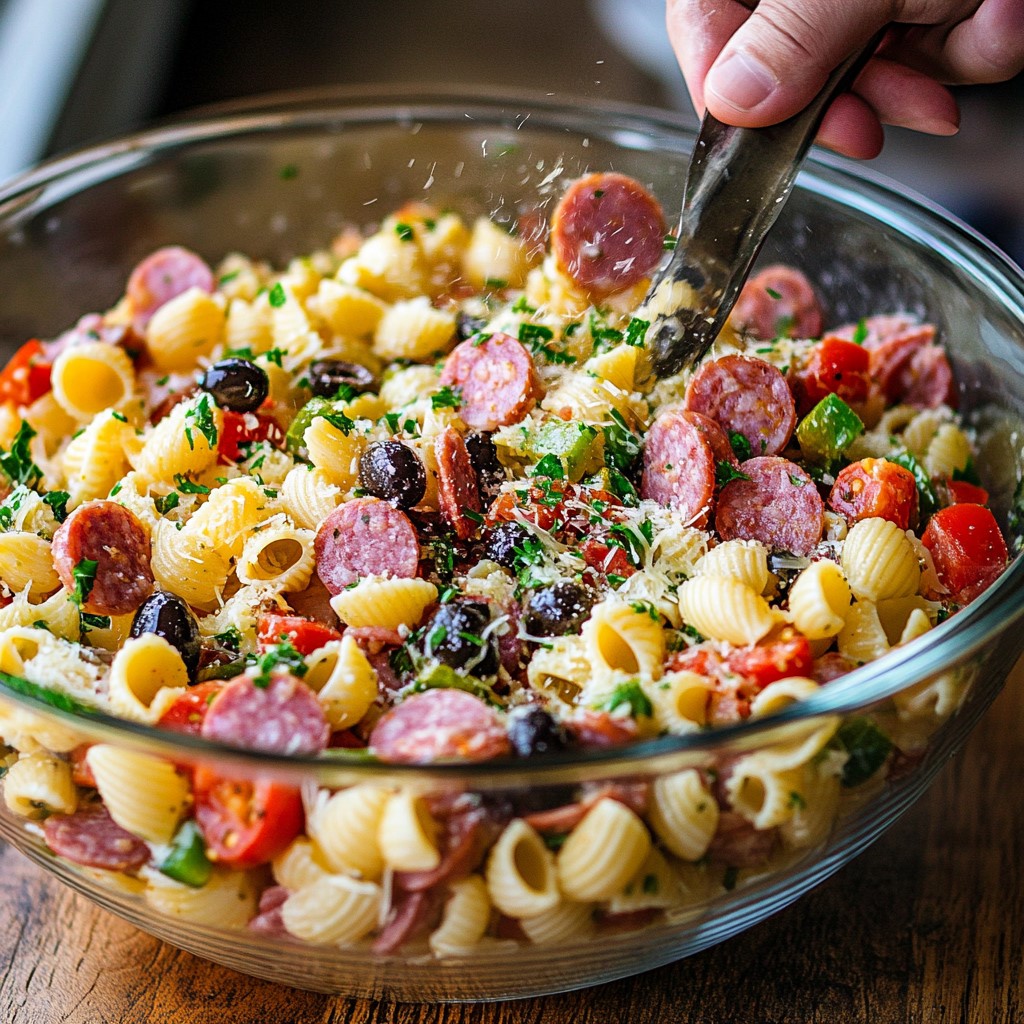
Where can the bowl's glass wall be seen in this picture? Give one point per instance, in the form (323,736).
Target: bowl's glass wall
(280,183)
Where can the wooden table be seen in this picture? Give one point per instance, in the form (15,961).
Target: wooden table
(927,927)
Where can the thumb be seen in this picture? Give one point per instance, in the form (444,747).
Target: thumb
(781,55)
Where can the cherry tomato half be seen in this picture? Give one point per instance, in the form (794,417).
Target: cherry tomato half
(962,492)
(245,428)
(967,548)
(187,712)
(836,367)
(789,654)
(875,488)
(27,376)
(306,635)
(245,823)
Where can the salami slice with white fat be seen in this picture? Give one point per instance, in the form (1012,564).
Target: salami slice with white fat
(162,276)
(280,715)
(496,378)
(92,838)
(365,537)
(457,489)
(776,504)
(746,396)
(679,465)
(607,232)
(439,725)
(112,537)
(779,302)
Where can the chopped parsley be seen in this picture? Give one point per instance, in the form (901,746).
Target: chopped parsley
(84,575)
(281,655)
(200,418)
(405,232)
(187,486)
(740,445)
(550,466)
(726,471)
(275,356)
(621,445)
(867,747)
(89,622)
(58,502)
(669,242)
(629,694)
(277,296)
(18,463)
(636,331)
(446,397)
(340,421)
(288,172)
(167,502)
(536,337)
(860,332)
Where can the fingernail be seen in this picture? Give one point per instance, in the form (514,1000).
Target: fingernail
(741,81)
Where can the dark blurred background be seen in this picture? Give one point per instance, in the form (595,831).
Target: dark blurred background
(75,71)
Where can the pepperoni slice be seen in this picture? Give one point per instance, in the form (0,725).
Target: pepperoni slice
(281,717)
(412,914)
(439,724)
(746,396)
(365,537)
(715,436)
(777,504)
(113,537)
(457,488)
(162,276)
(679,465)
(92,838)
(607,232)
(875,488)
(269,920)
(779,302)
(496,378)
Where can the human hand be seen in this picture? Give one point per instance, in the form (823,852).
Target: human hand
(754,68)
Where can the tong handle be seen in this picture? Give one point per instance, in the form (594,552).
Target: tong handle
(738,181)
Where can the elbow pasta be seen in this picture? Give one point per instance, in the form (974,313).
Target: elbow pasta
(405,500)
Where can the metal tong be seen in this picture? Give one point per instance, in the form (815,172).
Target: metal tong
(736,185)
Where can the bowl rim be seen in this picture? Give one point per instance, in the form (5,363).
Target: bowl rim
(844,182)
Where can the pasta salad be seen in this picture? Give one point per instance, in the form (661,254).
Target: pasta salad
(420,497)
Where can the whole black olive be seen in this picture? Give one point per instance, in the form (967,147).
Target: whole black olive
(466,326)
(558,609)
(236,384)
(453,637)
(168,616)
(393,471)
(326,376)
(502,540)
(483,456)
(532,731)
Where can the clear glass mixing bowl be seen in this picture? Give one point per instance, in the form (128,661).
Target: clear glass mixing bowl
(280,179)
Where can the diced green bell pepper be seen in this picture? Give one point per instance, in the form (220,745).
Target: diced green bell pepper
(576,445)
(828,429)
(187,861)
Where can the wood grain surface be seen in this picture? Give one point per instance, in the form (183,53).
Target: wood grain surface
(926,927)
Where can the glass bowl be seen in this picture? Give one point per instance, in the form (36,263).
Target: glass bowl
(280,179)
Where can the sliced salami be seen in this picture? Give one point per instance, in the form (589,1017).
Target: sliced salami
(269,920)
(607,232)
(679,465)
(112,537)
(871,331)
(890,358)
(436,725)
(747,396)
(281,716)
(162,276)
(777,504)
(739,844)
(496,379)
(927,381)
(412,915)
(365,537)
(457,488)
(779,302)
(92,838)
